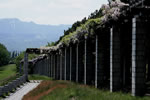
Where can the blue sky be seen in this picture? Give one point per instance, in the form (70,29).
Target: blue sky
(52,12)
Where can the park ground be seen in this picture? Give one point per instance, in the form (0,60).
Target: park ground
(66,90)
(63,90)
(7,73)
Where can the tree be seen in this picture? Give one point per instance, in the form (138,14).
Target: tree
(16,54)
(13,55)
(4,55)
(20,58)
(50,44)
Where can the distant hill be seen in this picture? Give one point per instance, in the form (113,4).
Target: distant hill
(19,35)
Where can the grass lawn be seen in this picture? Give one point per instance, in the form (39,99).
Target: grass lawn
(7,73)
(38,77)
(64,90)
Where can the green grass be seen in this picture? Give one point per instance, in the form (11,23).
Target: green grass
(38,77)
(78,92)
(7,73)
(64,90)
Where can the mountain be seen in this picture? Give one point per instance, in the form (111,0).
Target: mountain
(19,35)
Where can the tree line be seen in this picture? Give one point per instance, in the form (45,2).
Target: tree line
(4,55)
(7,57)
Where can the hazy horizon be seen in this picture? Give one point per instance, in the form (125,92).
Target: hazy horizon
(49,12)
(31,21)
(19,35)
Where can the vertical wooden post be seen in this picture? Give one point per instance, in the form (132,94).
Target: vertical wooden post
(61,67)
(65,63)
(26,65)
(85,58)
(89,71)
(44,63)
(77,62)
(70,62)
(41,67)
(58,66)
(51,65)
(138,57)
(111,54)
(54,66)
(115,62)
(38,63)
(96,61)
(20,68)
(48,66)
(73,63)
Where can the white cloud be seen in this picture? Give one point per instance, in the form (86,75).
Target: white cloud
(49,11)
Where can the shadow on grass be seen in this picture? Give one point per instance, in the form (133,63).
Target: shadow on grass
(38,77)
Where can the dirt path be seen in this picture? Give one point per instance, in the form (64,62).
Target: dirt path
(46,92)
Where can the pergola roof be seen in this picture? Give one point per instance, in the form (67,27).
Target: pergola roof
(33,61)
(111,13)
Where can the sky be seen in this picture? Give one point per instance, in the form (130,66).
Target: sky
(53,12)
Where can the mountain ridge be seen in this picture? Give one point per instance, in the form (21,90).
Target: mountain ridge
(19,35)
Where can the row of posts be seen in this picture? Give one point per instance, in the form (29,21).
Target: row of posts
(94,60)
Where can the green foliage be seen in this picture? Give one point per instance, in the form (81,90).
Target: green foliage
(14,54)
(50,44)
(9,79)
(7,73)
(96,14)
(91,23)
(66,38)
(21,57)
(4,55)
(85,23)
(18,60)
(39,77)
(89,26)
